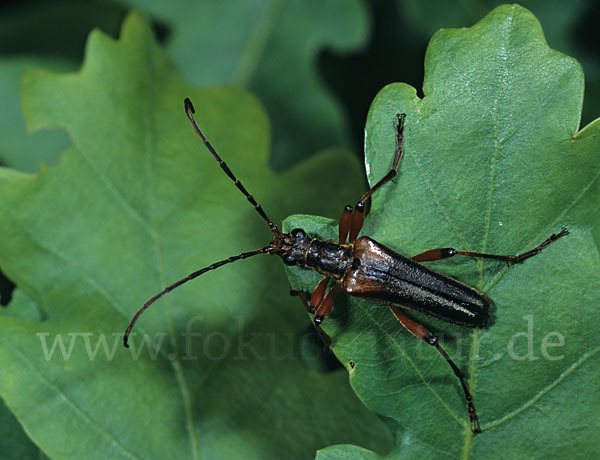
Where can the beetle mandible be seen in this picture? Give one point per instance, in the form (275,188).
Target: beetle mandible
(364,268)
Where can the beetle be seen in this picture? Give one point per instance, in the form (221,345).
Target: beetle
(363,268)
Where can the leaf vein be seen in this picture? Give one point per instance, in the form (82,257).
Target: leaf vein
(256,44)
(83,414)
(112,188)
(561,378)
(394,341)
(113,301)
(438,203)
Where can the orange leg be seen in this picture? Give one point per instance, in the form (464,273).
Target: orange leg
(318,293)
(352,218)
(422,333)
(444,253)
(326,305)
(304,298)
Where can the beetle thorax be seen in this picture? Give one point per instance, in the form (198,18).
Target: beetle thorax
(326,257)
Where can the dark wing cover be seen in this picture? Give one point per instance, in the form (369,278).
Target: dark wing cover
(384,276)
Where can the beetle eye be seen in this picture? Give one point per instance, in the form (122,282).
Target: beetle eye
(298,233)
(288,259)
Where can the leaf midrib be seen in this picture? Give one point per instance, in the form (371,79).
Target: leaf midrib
(83,414)
(149,146)
(255,44)
(566,373)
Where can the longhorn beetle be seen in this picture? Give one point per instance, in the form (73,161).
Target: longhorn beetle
(366,269)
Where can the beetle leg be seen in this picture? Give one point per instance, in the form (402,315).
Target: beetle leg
(326,305)
(317,296)
(397,157)
(444,253)
(303,296)
(352,219)
(345,224)
(358,218)
(320,303)
(422,333)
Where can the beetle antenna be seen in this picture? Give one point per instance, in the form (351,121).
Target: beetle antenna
(191,276)
(189,110)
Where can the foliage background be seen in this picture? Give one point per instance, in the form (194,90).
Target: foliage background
(341,65)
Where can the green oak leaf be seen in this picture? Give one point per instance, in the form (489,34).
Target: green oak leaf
(558,18)
(14,442)
(49,35)
(216,369)
(270,47)
(494,162)
(563,23)
(18,149)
